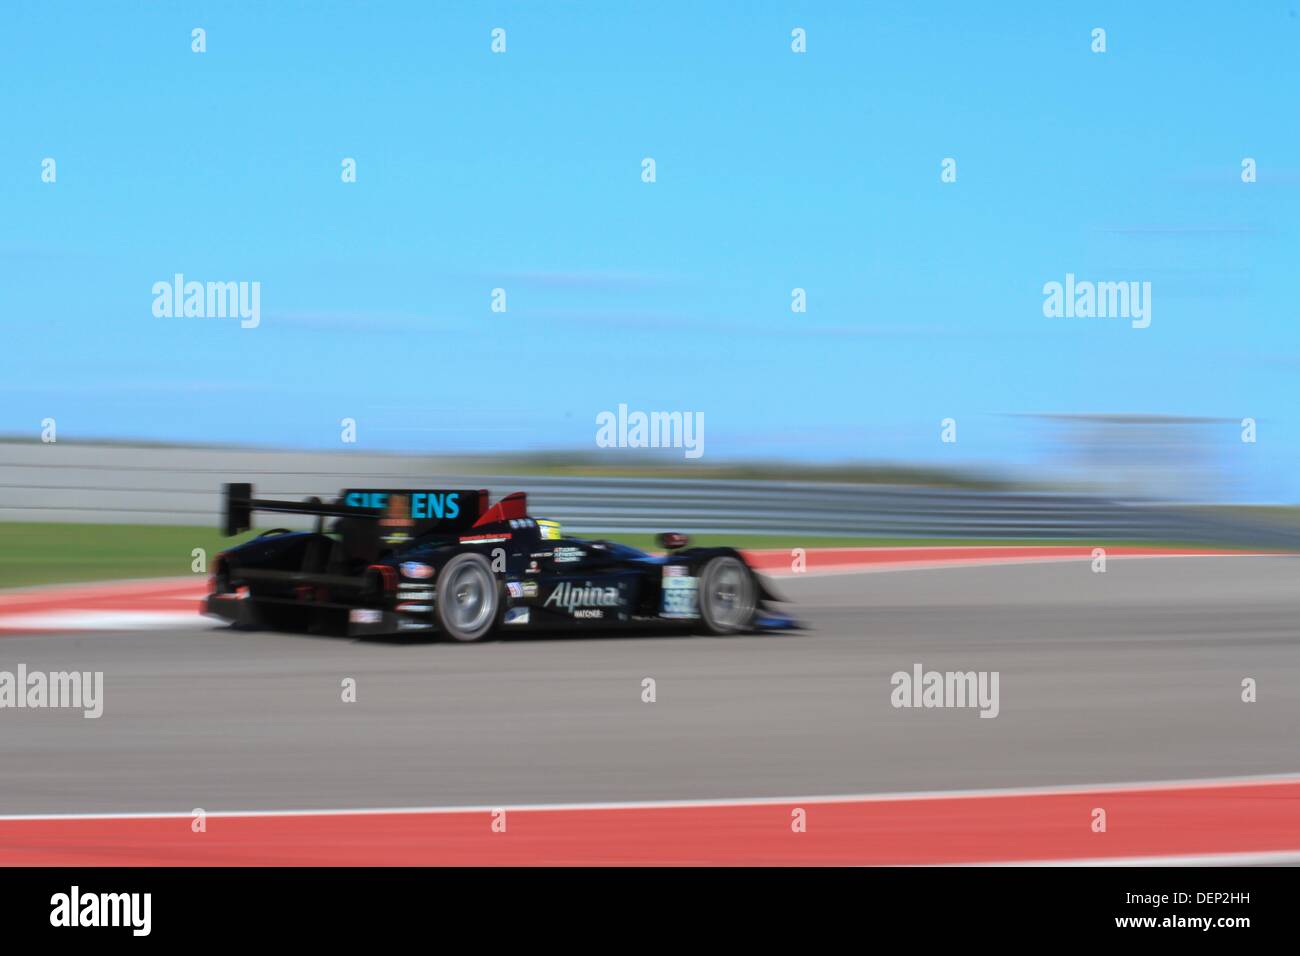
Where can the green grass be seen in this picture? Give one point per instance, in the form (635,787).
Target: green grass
(54,553)
(59,553)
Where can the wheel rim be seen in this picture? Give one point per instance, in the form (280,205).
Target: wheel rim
(467,598)
(730,594)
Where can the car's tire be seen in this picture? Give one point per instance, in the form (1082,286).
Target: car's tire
(468,599)
(728,596)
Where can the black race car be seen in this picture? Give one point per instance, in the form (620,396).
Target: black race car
(397,561)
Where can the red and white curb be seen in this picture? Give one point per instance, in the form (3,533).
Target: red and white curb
(823,561)
(173,603)
(117,605)
(1242,820)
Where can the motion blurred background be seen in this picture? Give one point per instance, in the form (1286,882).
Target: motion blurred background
(775,171)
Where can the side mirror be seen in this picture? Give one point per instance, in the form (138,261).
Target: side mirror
(672,540)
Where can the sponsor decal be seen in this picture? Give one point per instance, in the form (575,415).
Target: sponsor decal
(522,523)
(363,615)
(367,499)
(680,595)
(414,569)
(415,608)
(533,567)
(568,555)
(514,589)
(409,592)
(423,505)
(432,504)
(408,625)
(516,615)
(569,598)
(483,538)
(530,589)
(587,613)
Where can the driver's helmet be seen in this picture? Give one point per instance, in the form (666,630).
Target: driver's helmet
(550,530)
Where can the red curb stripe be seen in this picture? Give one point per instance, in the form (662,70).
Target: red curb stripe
(823,558)
(1195,820)
(117,595)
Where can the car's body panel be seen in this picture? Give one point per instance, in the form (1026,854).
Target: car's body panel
(376,571)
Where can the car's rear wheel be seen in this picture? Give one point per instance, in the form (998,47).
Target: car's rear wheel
(728,596)
(469,599)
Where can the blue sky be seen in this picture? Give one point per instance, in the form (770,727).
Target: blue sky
(774,171)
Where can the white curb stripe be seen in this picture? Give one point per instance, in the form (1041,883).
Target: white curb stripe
(102,620)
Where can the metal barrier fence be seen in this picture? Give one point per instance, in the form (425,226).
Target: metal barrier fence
(175,485)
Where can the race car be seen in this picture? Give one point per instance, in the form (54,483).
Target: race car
(442,561)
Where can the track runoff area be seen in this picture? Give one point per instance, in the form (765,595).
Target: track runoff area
(890,617)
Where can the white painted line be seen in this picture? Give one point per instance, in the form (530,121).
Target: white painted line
(1258,858)
(1261,780)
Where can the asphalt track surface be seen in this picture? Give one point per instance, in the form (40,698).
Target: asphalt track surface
(1130,675)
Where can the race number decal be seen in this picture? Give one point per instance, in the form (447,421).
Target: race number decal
(680,593)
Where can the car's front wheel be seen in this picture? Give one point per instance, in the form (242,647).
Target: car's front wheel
(728,596)
(468,599)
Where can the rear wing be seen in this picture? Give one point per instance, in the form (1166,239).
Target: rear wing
(416,511)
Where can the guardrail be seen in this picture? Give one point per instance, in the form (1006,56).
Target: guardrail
(170,485)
